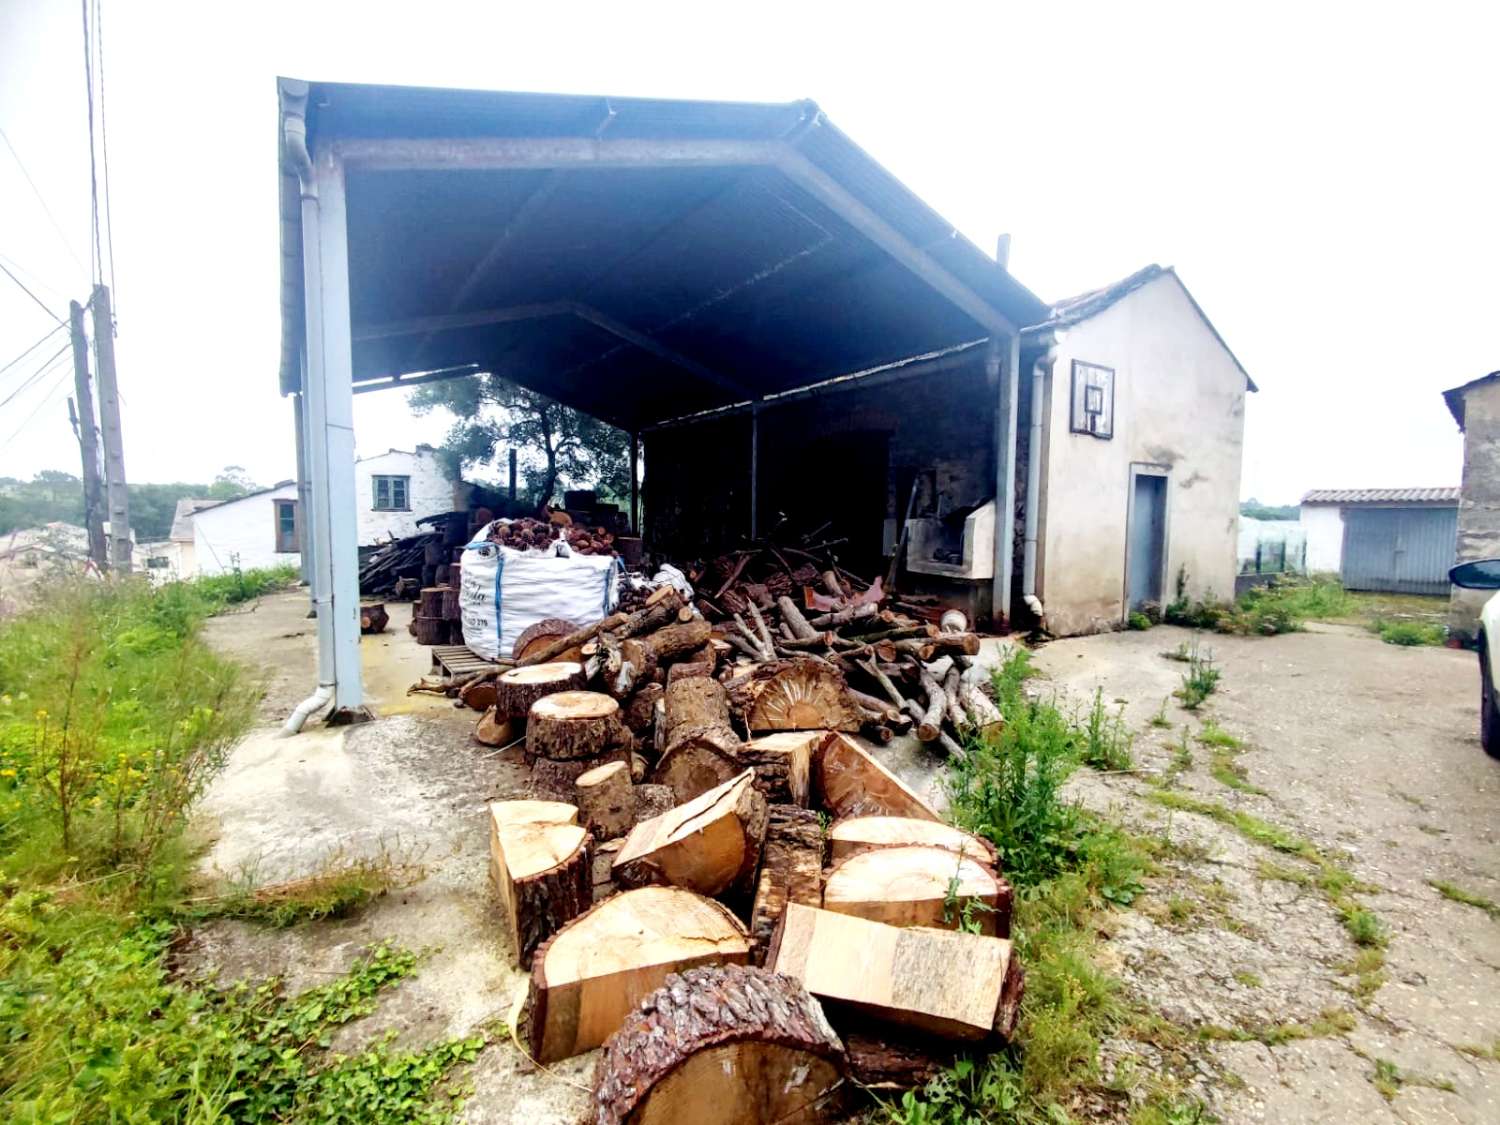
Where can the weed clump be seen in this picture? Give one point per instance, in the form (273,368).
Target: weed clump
(1408,634)
(1199,681)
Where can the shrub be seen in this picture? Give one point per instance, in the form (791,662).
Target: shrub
(1138,621)
(1409,633)
(1106,742)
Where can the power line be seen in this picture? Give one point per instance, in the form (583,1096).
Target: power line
(31,349)
(41,304)
(42,199)
(51,393)
(96,263)
(34,376)
(35,278)
(109,219)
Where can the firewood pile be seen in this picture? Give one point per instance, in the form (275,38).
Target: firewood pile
(670,887)
(401,567)
(530,535)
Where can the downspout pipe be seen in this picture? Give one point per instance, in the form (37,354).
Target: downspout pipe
(294,134)
(1040,369)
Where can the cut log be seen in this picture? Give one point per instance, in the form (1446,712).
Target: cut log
(783,764)
(601,866)
(558,781)
(894,1061)
(606,800)
(792,616)
(796,694)
(724,1045)
(639,712)
(430,602)
(517,689)
(691,666)
(677,640)
(851,783)
(699,759)
(493,730)
(574,639)
(710,845)
(919,886)
(600,966)
(534,638)
(451,607)
(569,725)
(946,983)
(653,800)
(866,833)
(429,630)
(981,709)
(625,665)
(696,702)
(791,870)
(478,694)
(373,618)
(541,872)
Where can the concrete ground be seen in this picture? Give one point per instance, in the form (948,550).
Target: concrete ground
(1370,751)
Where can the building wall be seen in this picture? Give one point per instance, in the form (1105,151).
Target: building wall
(1179,401)
(431,492)
(240,533)
(1324,524)
(1479,500)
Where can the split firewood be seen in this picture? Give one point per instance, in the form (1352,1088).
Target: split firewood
(601,867)
(493,730)
(944,982)
(598,968)
(791,870)
(606,800)
(698,759)
(558,780)
(783,764)
(517,689)
(710,845)
(857,834)
(796,694)
(722,1044)
(572,724)
(919,886)
(639,712)
(541,871)
(851,783)
(534,638)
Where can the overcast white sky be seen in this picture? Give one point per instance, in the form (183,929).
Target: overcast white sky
(1323,176)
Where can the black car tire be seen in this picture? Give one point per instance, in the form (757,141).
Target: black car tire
(1489,711)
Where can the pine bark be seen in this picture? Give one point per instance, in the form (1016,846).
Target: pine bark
(517,689)
(606,800)
(570,725)
(557,781)
(791,870)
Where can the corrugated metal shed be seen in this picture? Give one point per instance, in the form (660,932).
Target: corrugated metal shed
(1349,496)
(1401,550)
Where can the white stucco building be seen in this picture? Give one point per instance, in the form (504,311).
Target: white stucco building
(260,529)
(396,488)
(1138,435)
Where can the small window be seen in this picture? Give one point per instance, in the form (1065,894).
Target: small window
(158,562)
(287,539)
(1093,400)
(392,494)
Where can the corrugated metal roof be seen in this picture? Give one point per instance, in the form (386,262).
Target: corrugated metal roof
(1382,496)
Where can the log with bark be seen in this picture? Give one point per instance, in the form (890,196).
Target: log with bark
(373,618)
(478,694)
(896,1061)
(492,730)
(695,702)
(540,868)
(517,689)
(558,780)
(920,886)
(857,834)
(943,982)
(722,1045)
(852,783)
(653,800)
(639,711)
(588,977)
(606,800)
(430,602)
(796,694)
(429,630)
(791,870)
(569,725)
(710,845)
(535,638)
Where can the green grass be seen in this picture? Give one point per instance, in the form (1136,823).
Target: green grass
(1199,681)
(1247,979)
(1160,720)
(114,715)
(1327,1024)
(1280,607)
(1409,633)
(1106,743)
(1455,893)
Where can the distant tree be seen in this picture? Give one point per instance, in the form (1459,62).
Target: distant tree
(232,481)
(1258,511)
(555,443)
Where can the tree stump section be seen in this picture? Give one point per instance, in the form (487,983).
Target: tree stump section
(373,618)
(478,694)
(796,694)
(541,870)
(851,783)
(536,637)
(601,965)
(865,833)
(517,689)
(493,730)
(606,800)
(430,602)
(699,759)
(696,702)
(791,870)
(919,886)
(570,725)
(710,845)
(722,1046)
(639,713)
(783,764)
(558,781)
(953,985)
(429,630)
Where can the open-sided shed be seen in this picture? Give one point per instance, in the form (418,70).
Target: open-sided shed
(662,265)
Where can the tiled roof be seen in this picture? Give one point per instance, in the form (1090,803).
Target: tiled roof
(1382,496)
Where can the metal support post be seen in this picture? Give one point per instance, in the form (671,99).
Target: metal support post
(635,482)
(1002,363)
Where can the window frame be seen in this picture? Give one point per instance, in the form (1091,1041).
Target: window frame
(390,479)
(283,543)
(1078,378)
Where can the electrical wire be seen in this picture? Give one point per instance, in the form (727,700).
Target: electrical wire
(42,199)
(34,376)
(31,349)
(96,263)
(109,220)
(39,302)
(36,279)
(48,397)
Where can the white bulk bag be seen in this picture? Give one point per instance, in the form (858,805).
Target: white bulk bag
(504,591)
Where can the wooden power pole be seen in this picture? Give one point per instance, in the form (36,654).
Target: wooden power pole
(109,419)
(88,439)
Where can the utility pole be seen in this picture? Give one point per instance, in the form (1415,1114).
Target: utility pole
(88,439)
(109,418)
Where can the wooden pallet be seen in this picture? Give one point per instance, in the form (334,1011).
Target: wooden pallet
(459,660)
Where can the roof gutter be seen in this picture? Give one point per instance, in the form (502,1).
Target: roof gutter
(1041,368)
